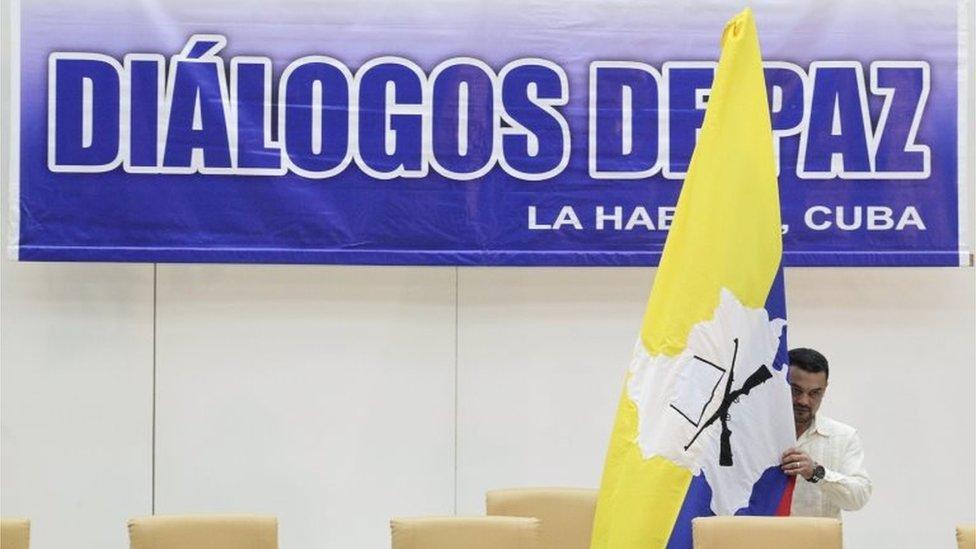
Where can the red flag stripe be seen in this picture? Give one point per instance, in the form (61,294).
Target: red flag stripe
(783,510)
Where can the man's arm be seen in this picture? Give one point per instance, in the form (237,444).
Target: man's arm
(848,486)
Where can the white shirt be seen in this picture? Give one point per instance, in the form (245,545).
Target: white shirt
(846,484)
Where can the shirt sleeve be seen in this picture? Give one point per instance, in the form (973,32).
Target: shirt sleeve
(848,486)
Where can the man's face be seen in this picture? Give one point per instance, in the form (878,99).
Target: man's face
(808,391)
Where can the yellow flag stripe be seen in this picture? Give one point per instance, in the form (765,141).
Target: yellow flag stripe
(726,230)
(639,499)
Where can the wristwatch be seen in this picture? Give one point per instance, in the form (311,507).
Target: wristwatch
(818,474)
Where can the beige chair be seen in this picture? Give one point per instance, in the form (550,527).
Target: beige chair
(204,532)
(766,533)
(965,536)
(565,514)
(465,533)
(14,533)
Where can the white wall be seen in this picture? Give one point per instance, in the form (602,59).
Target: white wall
(337,397)
(327,394)
(76,400)
(541,363)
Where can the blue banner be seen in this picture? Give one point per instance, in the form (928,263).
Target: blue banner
(423,132)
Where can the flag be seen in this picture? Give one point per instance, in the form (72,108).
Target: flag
(706,411)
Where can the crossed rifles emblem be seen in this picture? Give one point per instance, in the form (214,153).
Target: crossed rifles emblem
(730,397)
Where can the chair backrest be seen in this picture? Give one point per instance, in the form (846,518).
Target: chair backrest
(766,533)
(965,536)
(14,533)
(565,514)
(465,533)
(204,532)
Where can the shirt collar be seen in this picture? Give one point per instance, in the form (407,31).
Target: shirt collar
(818,427)
(821,427)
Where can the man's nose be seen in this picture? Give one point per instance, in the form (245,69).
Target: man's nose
(802,399)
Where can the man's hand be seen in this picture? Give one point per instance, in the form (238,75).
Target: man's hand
(796,462)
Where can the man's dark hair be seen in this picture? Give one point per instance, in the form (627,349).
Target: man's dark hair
(809,360)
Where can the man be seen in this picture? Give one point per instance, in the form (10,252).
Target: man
(828,458)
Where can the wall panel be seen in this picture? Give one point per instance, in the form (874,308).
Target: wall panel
(543,353)
(76,392)
(324,395)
